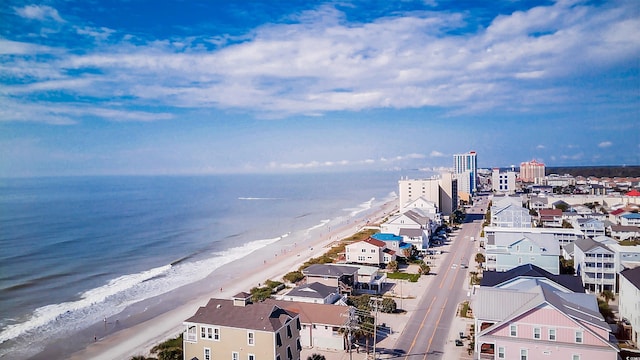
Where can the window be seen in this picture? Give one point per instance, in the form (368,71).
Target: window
(289,353)
(235,355)
(501,353)
(536,333)
(209,333)
(207,354)
(361,258)
(530,248)
(251,338)
(513,330)
(524,354)
(520,260)
(289,335)
(579,335)
(552,334)
(364,250)
(251,357)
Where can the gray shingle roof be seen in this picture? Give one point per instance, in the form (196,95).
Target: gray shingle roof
(314,290)
(588,244)
(633,275)
(496,278)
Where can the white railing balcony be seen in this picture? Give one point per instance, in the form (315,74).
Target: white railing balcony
(190,337)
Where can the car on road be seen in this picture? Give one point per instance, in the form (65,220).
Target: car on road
(459,342)
(454,266)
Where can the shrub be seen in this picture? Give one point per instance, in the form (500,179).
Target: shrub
(388,305)
(293,277)
(260,293)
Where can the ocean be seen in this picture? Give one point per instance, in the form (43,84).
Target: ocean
(78,249)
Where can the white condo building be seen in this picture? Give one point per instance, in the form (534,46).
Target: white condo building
(503,182)
(442,191)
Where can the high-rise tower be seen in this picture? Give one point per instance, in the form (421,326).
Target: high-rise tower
(466,165)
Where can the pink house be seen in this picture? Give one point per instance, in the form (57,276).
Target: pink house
(540,323)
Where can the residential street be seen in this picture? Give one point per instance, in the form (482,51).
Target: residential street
(427,331)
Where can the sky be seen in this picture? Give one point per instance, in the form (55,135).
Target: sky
(205,87)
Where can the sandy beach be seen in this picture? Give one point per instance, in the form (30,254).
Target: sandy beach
(143,325)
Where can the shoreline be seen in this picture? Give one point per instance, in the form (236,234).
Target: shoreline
(147,323)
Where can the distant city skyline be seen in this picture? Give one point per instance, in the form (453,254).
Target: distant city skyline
(200,87)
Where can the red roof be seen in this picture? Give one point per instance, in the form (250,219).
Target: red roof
(378,243)
(617,212)
(633,192)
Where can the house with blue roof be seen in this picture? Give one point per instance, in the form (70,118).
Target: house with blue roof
(394,242)
(630,219)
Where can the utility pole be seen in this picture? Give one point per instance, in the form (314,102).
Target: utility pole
(375,301)
(349,324)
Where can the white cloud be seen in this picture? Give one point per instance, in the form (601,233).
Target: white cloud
(605,144)
(322,63)
(436,153)
(540,147)
(39,12)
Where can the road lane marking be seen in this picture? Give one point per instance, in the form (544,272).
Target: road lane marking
(436,327)
(415,338)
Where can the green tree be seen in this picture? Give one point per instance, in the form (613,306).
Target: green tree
(392,266)
(566,266)
(480,259)
(566,224)
(605,310)
(608,296)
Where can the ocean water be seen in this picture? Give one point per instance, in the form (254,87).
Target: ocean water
(76,249)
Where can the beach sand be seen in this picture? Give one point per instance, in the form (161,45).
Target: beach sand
(143,325)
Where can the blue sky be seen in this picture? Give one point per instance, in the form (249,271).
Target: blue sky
(198,87)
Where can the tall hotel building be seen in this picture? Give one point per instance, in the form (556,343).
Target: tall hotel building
(466,165)
(532,171)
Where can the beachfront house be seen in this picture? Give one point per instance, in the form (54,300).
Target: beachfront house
(342,277)
(424,208)
(320,324)
(395,243)
(540,323)
(407,220)
(240,330)
(370,280)
(369,252)
(416,237)
(315,292)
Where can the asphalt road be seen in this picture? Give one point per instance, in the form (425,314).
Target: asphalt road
(426,332)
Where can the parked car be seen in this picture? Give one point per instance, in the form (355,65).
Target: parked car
(459,342)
